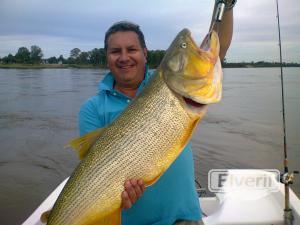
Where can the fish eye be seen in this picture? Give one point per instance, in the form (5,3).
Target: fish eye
(183,45)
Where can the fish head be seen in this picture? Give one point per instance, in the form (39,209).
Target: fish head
(194,72)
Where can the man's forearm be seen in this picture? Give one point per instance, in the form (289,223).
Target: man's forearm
(225,30)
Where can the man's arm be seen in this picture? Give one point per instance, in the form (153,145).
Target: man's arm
(225,31)
(88,117)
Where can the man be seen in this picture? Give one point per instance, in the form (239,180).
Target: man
(172,199)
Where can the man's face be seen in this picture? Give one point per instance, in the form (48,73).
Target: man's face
(126,58)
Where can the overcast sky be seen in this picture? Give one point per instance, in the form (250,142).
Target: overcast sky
(59,26)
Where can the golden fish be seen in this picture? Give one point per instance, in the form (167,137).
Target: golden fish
(146,138)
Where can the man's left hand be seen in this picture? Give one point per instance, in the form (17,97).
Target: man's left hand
(134,189)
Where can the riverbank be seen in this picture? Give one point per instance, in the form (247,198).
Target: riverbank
(88,66)
(48,66)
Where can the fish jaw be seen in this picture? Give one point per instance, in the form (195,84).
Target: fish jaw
(194,72)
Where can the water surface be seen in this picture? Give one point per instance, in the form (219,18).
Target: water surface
(38,115)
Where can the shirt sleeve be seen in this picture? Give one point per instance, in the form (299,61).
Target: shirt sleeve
(89,118)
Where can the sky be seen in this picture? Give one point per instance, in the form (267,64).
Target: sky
(59,26)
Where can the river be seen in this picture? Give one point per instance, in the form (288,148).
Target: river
(38,115)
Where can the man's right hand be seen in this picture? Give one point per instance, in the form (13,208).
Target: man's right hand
(134,189)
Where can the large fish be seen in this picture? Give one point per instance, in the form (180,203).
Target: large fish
(146,138)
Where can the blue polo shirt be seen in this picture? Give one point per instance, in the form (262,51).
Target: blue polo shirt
(173,197)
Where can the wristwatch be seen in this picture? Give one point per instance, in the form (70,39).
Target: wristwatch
(229,4)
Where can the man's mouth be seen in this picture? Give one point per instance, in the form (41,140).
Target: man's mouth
(126,67)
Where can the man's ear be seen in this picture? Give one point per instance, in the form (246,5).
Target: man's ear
(145,50)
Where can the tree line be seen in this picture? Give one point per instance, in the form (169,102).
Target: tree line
(96,57)
(23,55)
(257,64)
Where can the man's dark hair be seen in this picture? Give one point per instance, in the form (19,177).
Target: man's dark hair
(124,26)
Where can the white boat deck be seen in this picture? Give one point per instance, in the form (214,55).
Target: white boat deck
(235,207)
(249,209)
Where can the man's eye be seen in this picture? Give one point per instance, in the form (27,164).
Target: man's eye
(132,50)
(115,51)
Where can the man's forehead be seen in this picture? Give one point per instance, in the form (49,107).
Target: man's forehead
(123,38)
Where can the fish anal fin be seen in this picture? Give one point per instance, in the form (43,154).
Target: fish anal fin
(153,181)
(85,142)
(111,219)
(175,151)
(45,216)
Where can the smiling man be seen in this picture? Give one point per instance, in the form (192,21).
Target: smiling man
(173,198)
(126,58)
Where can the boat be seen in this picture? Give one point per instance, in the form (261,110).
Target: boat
(238,205)
(250,197)
(235,203)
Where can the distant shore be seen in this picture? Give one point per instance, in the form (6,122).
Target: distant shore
(48,66)
(89,66)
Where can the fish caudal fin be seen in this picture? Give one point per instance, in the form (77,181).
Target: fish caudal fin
(85,142)
(45,216)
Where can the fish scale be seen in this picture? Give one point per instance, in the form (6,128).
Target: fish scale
(141,143)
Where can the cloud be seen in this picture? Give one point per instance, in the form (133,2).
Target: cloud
(256,32)
(58,26)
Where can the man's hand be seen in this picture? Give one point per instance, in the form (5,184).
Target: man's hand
(134,189)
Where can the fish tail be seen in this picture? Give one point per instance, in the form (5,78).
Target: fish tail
(45,216)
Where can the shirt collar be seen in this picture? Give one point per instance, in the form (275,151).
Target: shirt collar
(107,84)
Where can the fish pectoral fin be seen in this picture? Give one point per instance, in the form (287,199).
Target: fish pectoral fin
(111,219)
(45,216)
(83,144)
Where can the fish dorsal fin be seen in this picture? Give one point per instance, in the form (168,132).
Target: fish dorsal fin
(83,144)
(45,216)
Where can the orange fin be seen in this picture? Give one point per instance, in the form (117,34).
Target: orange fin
(83,144)
(45,216)
(111,219)
(153,181)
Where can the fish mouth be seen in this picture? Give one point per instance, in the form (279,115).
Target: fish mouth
(193,106)
(192,103)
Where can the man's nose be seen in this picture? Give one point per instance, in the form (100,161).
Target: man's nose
(124,56)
